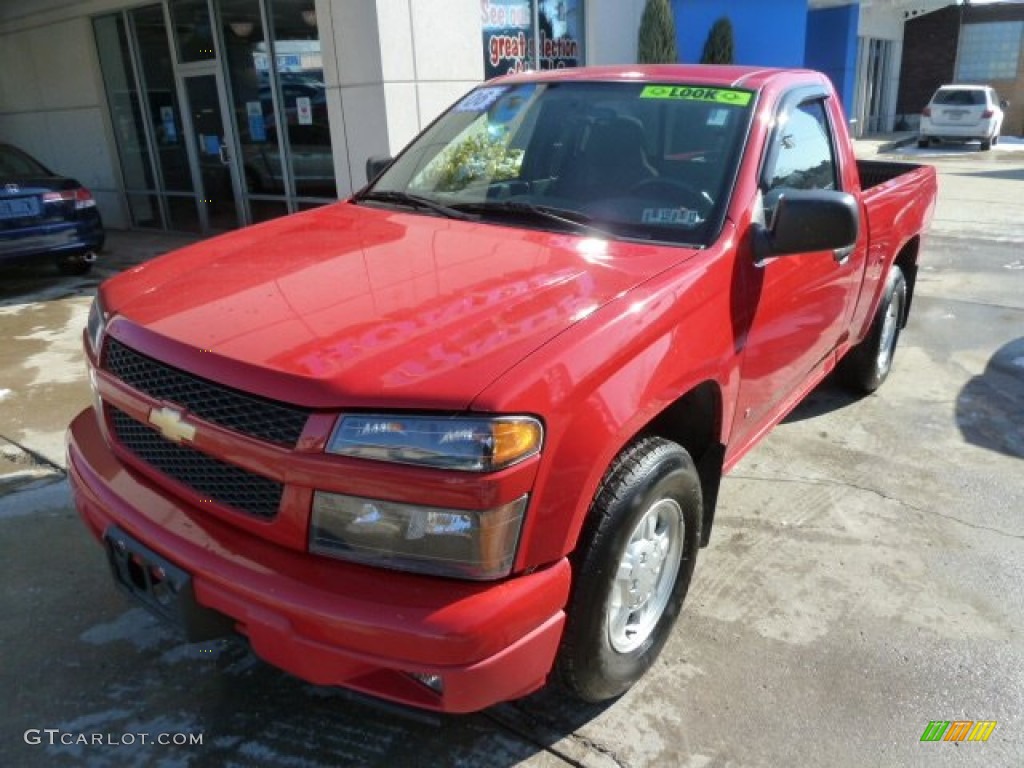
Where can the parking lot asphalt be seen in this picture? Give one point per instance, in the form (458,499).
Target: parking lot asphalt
(865,575)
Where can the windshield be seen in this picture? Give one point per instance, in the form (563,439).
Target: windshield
(633,160)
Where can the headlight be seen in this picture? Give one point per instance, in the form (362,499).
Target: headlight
(97,324)
(472,443)
(468,544)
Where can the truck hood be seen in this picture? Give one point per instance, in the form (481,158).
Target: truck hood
(356,306)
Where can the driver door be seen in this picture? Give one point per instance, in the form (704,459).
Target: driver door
(804,301)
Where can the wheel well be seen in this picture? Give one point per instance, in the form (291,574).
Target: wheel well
(694,421)
(906,260)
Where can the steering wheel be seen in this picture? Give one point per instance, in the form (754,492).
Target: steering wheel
(673,192)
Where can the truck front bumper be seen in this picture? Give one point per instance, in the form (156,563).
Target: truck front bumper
(330,622)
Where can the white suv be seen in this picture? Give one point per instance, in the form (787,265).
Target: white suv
(962,113)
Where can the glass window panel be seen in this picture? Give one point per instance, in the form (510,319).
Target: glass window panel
(123,99)
(246,50)
(145,211)
(508,36)
(182,213)
(193,32)
(989,51)
(561,33)
(302,98)
(162,97)
(264,210)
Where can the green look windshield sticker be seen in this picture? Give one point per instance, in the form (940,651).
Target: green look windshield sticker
(690,93)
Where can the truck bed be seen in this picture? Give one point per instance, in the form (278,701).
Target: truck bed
(875,172)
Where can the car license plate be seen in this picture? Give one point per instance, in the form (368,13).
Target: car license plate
(19,208)
(163,588)
(955,114)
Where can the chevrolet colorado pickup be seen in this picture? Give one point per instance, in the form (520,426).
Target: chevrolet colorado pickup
(462,433)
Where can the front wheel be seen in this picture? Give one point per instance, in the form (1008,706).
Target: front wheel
(867,365)
(632,569)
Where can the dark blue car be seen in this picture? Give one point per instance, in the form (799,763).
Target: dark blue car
(44,215)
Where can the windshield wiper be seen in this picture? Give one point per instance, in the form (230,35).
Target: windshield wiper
(578,222)
(414,201)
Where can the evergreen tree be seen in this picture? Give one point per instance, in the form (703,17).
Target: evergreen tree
(718,48)
(656,43)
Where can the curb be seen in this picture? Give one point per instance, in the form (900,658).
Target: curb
(21,467)
(902,141)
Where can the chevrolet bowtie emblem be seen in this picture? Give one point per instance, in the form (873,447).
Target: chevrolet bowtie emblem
(172,424)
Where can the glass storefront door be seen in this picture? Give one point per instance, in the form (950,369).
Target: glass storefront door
(215,166)
(219,111)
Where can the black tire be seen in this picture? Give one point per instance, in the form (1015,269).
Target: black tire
(986,144)
(73,265)
(923,143)
(650,480)
(867,365)
(995,139)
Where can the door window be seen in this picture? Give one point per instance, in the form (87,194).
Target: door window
(804,155)
(212,148)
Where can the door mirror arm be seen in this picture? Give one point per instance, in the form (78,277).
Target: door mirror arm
(376,165)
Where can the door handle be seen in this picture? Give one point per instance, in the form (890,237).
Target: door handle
(222,152)
(842,255)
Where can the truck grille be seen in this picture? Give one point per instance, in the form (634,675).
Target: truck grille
(254,416)
(211,478)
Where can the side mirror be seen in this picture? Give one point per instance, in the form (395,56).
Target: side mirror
(804,221)
(375,166)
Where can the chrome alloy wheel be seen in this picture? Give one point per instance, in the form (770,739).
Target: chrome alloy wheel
(887,342)
(645,576)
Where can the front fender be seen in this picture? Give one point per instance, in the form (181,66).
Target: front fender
(601,382)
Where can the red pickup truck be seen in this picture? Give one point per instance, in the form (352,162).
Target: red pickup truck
(463,432)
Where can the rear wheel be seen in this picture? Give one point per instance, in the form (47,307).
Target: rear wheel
(632,569)
(986,144)
(923,143)
(77,264)
(867,365)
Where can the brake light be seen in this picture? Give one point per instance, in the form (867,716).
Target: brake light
(987,113)
(81,197)
(927,112)
(84,198)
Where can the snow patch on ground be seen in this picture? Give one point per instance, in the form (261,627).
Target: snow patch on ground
(61,361)
(136,626)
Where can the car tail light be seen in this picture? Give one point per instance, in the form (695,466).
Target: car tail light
(926,112)
(987,113)
(80,196)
